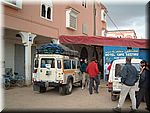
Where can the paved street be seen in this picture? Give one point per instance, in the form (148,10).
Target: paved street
(25,99)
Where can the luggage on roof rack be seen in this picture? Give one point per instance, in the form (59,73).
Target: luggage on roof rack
(56,49)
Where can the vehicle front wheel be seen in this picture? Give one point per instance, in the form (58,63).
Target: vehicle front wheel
(42,89)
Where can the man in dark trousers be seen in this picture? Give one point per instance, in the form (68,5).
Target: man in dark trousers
(144,85)
(92,70)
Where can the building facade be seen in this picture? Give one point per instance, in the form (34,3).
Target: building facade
(28,25)
(122,34)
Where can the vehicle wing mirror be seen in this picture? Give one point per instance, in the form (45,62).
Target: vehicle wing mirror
(48,66)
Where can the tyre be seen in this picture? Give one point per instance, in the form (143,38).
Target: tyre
(20,83)
(114,97)
(42,89)
(6,84)
(80,83)
(62,90)
(69,87)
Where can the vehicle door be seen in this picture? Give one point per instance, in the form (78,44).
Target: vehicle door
(59,70)
(48,69)
(117,76)
(76,66)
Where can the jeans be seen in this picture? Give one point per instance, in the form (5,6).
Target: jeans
(141,93)
(91,85)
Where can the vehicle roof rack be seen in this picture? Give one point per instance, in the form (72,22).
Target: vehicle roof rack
(56,49)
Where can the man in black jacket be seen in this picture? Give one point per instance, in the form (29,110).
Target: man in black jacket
(144,85)
(129,76)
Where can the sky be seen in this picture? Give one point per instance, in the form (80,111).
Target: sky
(127,14)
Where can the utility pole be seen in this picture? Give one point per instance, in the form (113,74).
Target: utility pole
(94,16)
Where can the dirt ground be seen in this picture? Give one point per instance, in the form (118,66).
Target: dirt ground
(80,100)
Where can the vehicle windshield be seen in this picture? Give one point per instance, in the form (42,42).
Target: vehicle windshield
(119,67)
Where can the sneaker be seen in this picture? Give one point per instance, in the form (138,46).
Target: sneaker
(117,109)
(96,91)
(91,93)
(133,109)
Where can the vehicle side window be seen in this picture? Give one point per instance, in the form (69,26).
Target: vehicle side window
(67,64)
(59,64)
(78,65)
(137,66)
(118,68)
(36,63)
(45,61)
(73,64)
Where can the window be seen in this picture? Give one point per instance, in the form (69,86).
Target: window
(103,15)
(59,64)
(73,64)
(118,70)
(67,64)
(36,63)
(46,9)
(71,18)
(13,3)
(119,67)
(84,29)
(45,61)
(78,65)
(43,11)
(84,3)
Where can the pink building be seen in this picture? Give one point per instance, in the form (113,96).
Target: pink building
(28,25)
(122,34)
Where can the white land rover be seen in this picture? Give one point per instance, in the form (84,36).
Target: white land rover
(56,70)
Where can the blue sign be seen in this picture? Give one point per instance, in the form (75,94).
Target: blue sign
(115,52)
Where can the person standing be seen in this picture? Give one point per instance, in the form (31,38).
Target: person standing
(83,70)
(144,85)
(129,76)
(108,68)
(92,70)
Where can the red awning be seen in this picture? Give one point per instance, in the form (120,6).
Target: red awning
(104,41)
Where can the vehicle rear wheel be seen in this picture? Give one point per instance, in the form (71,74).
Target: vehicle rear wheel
(62,90)
(114,97)
(69,87)
(42,89)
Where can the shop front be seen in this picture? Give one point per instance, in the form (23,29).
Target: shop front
(109,48)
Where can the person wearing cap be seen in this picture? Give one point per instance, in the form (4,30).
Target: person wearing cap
(129,76)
